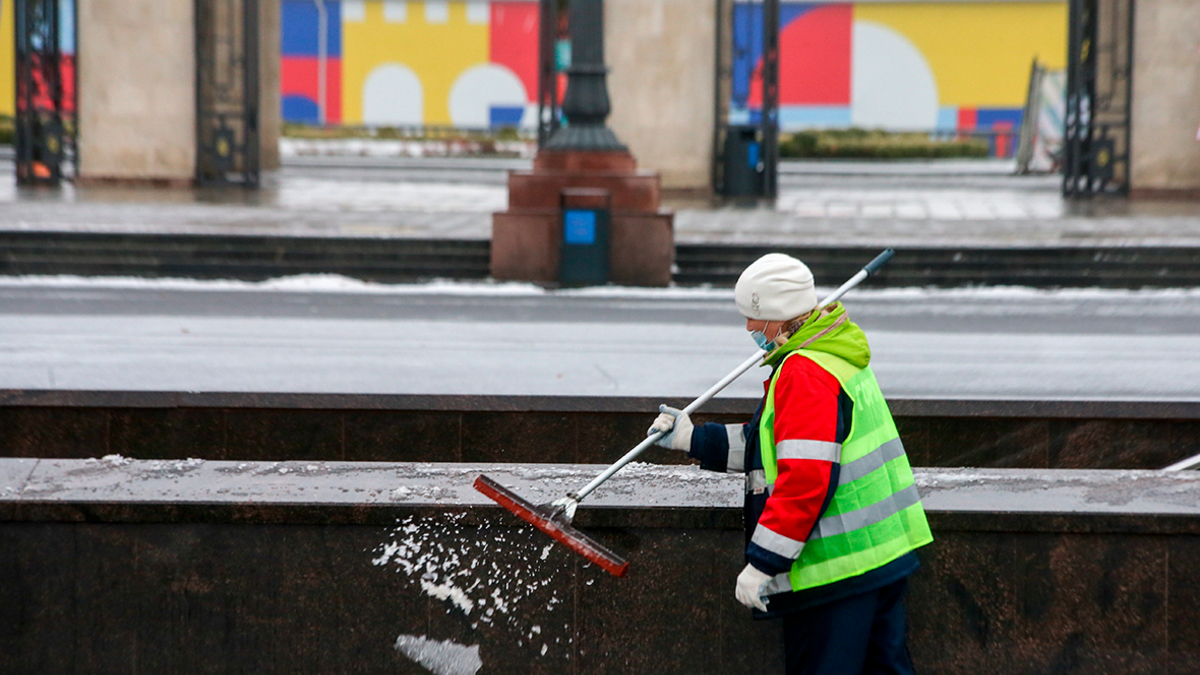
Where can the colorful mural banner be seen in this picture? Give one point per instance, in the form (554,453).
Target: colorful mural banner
(459,63)
(903,66)
(473,63)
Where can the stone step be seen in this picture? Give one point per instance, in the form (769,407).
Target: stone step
(253,257)
(1043,267)
(241,257)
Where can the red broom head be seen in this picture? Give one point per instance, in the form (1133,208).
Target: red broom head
(543,518)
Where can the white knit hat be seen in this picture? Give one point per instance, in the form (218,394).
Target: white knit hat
(776,287)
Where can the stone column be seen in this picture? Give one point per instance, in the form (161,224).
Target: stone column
(137,90)
(270,104)
(1165,158)
(662,60)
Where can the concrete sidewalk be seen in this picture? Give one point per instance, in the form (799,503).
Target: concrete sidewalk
(820,203)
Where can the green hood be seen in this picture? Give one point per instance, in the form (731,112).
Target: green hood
(846,341)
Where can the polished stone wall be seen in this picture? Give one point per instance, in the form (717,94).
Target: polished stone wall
(662,57)
(1165,157)
(187,567)
(137,90)
(173,425)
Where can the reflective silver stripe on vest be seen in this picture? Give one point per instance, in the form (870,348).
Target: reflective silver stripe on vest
(803,449)
(878,512)
(777,543)
(871,461)
(780,583)
(737,449)
(756,482)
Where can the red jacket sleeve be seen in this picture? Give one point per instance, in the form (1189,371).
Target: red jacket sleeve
(806,450)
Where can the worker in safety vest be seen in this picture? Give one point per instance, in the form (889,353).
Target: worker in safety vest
(832,511)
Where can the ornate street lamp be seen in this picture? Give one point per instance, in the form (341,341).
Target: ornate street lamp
(586,103)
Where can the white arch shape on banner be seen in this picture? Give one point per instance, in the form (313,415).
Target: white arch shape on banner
(481,87)
(891,84)
(393,96)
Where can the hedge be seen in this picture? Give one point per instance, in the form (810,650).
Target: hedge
(864,144)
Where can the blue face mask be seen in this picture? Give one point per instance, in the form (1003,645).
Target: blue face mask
(760,338)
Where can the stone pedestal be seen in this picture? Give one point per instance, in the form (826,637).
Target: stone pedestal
(527,238)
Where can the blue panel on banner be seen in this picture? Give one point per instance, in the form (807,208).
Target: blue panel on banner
(298,23)
(579,227)
(505,116)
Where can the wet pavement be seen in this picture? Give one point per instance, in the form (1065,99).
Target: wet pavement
(957,202)
(498,339)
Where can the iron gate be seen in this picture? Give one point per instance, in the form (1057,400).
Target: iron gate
(44,124)
(227,92)
(1099,96)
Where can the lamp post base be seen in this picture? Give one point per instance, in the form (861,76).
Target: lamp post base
(527,239)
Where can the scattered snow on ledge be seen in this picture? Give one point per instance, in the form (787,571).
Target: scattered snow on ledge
(497,576)
(440,658)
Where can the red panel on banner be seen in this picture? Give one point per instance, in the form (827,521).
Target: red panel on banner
(814,57)
(514,41)
(298,76)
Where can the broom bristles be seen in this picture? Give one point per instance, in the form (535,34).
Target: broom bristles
(542,517)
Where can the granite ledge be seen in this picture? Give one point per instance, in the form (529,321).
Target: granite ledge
(117,489)
(915,407)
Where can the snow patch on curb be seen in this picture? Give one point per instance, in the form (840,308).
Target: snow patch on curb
(306,283)
(336,283)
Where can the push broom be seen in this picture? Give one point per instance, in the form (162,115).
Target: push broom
(555,518)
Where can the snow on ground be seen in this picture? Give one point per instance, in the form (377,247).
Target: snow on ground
(334,283)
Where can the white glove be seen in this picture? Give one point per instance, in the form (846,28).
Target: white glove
(679,426)
(749,587)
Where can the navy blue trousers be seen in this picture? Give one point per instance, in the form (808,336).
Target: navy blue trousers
(860,635)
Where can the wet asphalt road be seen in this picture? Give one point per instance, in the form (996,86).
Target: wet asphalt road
(520,340)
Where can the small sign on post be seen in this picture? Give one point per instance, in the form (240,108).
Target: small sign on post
(579,227)
(586,214)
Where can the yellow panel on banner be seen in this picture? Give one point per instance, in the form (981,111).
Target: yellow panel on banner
(435,40)
(8,67)
(980,53)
